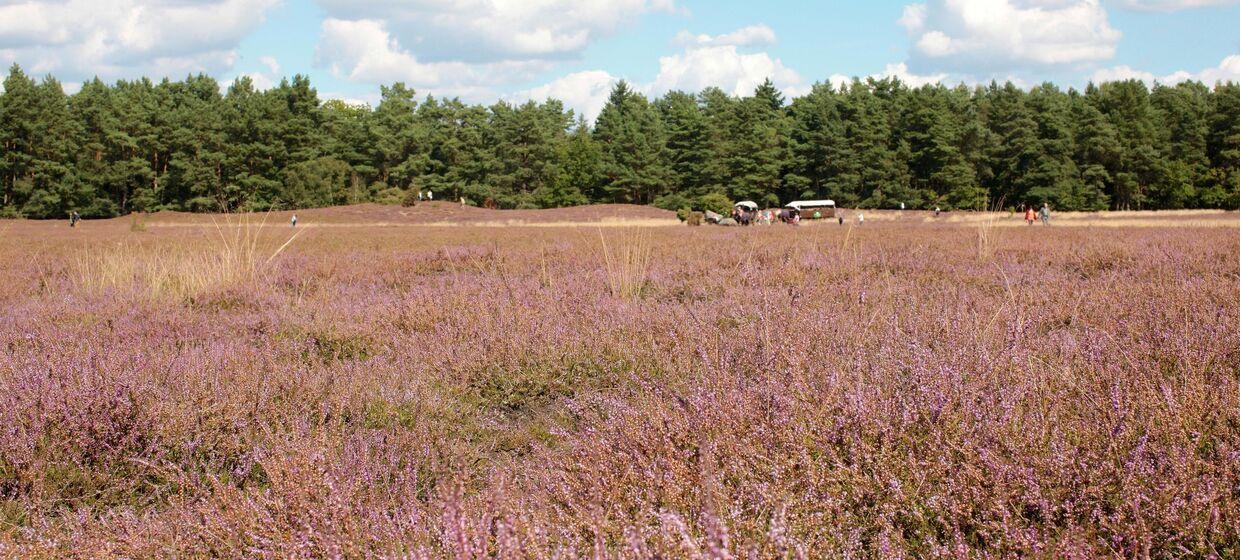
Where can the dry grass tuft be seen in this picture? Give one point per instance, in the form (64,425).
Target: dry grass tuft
(627,260)
(237,253)
(988,238)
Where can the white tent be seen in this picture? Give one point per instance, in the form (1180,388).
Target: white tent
(747,204)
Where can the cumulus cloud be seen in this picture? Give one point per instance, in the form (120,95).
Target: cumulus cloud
(1174,5)
(984,36)
(902,72)
(704,61)
(465,47)
(722,66)
(492,30)
(364,51)
(369,100)
(271,63)
(1227,71)
(126,38)
(753,35)
(584,92)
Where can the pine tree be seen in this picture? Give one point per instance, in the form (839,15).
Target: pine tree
(938,170)
(344,139)
(687,151)
(19,110)
(401,152)
(1098,154)
(579,170)
(1053,178)
(631,138)
(876,172)
(819,149)
(1017,150)
(50,188)
(1183,110)
(1142,169)
(528,145)
(1223,147)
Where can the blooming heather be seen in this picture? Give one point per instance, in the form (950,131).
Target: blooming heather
(458,392)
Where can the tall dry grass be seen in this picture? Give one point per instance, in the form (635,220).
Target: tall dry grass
(626,260)
(989,236)
(238,251)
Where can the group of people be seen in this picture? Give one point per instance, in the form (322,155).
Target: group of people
(746,217)
(789,216)
(427,196)
(1044,215)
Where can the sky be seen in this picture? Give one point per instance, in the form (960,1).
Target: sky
(576,50)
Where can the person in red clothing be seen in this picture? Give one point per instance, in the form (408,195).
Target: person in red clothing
(1030,215)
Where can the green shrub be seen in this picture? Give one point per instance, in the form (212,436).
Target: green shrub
(672,201)
(715,202)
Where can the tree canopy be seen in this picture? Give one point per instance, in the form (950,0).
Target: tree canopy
(191,145)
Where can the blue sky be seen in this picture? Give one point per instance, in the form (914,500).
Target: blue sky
(575,50)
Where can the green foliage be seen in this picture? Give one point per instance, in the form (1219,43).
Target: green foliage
(631,138)
(718,203)
(672,201)
(144,146)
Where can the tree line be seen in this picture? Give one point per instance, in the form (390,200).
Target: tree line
(111,149)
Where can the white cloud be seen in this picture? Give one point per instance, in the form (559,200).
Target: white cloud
(584,92)
(271,63)
(364,51)
(1227,71)
(983,36)
(126,38)
(262,82)
(838,80)
(370,99)
(724,67)
(914,16)
(492,30)
(704,62)
(901,71)
(465,47)
(753,35)
(1174,5)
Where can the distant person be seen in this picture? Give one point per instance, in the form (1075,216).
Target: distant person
(901,206)
(1029,215)
(1045,214)
(294,220)
(421,197)
(841,218)
(74,218)
(462,201)
(860,219)
(430,195)
(936,211)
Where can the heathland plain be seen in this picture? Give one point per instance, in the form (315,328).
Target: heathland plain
(448,382)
